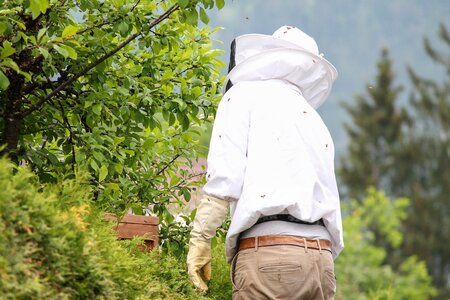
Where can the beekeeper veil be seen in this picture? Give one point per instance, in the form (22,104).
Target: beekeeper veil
(288,54)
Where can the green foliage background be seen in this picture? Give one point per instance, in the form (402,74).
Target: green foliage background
(54,244)
(403,149)
(362,270)
(123,91)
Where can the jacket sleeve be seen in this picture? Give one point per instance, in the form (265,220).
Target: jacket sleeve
(227,155)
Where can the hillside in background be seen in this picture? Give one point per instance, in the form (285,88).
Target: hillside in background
(351,34)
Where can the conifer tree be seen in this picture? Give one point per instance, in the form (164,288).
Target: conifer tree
(375,130)
(426,180)
(407,154)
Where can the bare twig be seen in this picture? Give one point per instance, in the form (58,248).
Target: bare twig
(187,69)
(168,164)
(134,6)
(98,25)
(168,138)
(185,181)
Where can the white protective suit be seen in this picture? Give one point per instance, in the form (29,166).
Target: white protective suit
(270,151)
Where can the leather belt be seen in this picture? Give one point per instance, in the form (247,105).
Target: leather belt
(273,240)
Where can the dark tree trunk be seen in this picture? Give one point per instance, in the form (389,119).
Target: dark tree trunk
(13,117)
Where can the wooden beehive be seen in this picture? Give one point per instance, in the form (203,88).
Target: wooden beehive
(131,226)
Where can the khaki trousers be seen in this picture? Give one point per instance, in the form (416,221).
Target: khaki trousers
(283,272)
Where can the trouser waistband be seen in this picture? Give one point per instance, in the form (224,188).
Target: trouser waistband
(272,240)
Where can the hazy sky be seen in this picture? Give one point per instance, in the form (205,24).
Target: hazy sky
(351,34)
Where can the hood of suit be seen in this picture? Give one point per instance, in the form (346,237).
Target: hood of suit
(289,55)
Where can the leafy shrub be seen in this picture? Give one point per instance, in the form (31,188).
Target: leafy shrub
(220,286)
(361,269)
(55,245)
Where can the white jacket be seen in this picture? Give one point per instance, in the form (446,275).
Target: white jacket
(270,151)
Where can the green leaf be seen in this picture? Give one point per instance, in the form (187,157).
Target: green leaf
(167,90)
(61,51)
(171,119)
(98,156)
(93,164)
(123,28)
(184,122)
(37,7)
(4,81)
(52,158)
(102,173)
(186,194)
(118,168)
(118,140)
(11,64)
(41,33)
(113,186)
(69,31)
(43,51)
(27,75)
(32,39)
(87,103)
(192,17)
(183,3)
(193,213)
(71,51)
(23,36)
(137,209)
(101,66)
(66,51)
(80,157)
(97,109)
(118,3)
(7,49)
(20,24)
(220,4)
(44,5)
(197,91)
(3,27)
(203,16)
(174,180)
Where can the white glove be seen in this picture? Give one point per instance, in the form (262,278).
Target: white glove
(210,215)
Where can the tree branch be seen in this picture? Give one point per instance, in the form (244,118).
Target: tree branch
(66,83)
(185,181)
(72,143)
(168,164)
(134,6)
(104,22)
(66,121)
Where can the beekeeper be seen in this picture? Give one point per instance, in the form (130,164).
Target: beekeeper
(271,160)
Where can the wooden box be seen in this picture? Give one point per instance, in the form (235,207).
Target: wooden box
(131,226)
